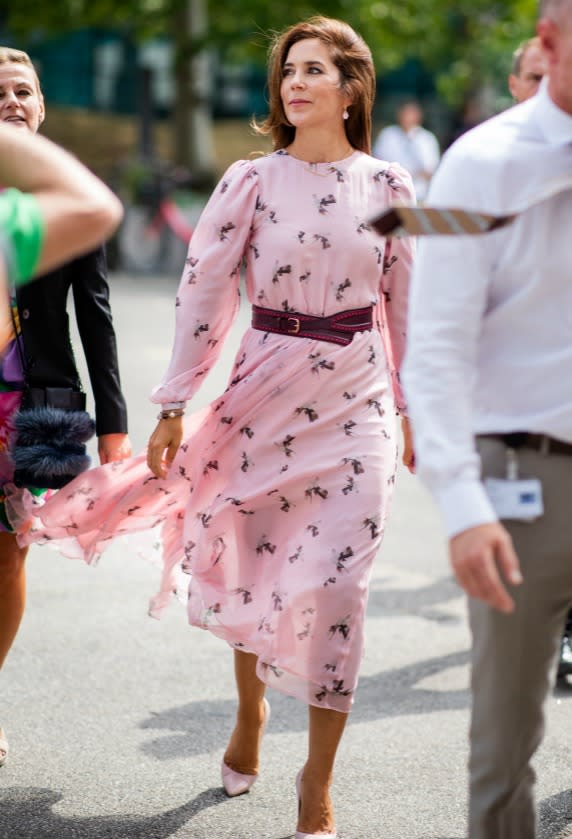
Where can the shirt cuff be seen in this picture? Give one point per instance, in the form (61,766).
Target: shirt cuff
(173,406)
(464,505)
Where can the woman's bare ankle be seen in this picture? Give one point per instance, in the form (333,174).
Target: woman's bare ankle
(242,751)
(316,809)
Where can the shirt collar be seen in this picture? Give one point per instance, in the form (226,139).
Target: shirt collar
(555,124)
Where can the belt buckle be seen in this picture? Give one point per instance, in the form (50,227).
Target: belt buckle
(296,328)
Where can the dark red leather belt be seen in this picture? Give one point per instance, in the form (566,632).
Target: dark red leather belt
(525,440)
(338,328)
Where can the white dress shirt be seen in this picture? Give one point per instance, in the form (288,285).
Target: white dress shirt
(416,150)
(490,322)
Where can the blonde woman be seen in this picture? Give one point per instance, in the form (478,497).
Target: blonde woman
(41,356)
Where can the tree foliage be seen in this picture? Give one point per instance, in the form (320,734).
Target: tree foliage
(466,43)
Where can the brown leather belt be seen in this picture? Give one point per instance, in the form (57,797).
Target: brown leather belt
(524,440)
(338,328)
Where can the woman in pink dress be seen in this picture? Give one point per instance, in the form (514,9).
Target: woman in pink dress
(275,497)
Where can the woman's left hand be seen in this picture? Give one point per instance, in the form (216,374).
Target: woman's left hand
(113,447)
(408,451)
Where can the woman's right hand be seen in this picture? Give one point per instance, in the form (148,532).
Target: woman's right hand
(163,445)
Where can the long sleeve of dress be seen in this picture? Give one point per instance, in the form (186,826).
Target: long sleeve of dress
(397,266)
(208,294)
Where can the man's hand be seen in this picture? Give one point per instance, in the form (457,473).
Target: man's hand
(163,445)
(113,447)
(482,558)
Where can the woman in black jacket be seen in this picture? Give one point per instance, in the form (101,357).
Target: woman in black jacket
(41,356)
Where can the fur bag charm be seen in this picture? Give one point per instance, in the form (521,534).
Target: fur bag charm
(49,449)
(51,429)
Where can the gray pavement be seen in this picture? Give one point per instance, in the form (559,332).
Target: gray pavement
(117,722)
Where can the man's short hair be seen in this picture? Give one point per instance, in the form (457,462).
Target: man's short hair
(520,52)
(552,7)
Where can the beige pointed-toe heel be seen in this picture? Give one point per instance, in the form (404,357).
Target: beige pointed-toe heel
(4,749)
(236,783)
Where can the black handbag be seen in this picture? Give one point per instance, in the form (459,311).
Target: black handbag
(51,430)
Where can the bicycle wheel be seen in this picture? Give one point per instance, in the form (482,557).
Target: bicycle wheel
(142,242)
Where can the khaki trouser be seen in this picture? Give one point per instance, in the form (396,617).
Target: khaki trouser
(514,656)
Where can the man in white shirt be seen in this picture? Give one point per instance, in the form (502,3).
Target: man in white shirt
(487,376)
(411,145)
(528,70)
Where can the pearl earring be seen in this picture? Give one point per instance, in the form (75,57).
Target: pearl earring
(345,114)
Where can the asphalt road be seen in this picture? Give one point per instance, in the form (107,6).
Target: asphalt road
(117,722)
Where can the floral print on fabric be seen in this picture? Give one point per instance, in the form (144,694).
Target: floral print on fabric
(277,500)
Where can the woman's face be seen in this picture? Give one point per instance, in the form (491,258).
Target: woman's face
(310,89)
(21,103)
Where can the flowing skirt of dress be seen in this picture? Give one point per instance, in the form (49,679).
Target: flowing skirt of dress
(275,505)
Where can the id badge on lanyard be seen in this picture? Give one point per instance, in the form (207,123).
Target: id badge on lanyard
(512,497)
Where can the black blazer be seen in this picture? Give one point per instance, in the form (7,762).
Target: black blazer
(44,324)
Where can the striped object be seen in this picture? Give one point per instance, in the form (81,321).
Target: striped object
(433,221)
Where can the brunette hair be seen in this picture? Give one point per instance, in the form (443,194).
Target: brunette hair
(352,57)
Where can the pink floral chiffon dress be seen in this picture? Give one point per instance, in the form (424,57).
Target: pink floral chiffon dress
(276,502)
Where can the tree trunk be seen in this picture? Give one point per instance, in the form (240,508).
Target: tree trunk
(192,124)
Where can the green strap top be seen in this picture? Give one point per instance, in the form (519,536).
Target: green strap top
(21,234)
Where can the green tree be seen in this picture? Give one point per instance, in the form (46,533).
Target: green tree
(466,43)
